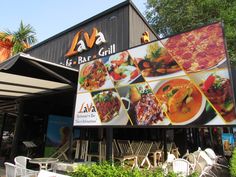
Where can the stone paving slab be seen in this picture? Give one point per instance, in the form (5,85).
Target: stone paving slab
(2,172)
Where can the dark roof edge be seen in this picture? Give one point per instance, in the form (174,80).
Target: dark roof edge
(143,18)
(116,7)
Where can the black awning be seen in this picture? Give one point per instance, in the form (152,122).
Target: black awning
(24,76)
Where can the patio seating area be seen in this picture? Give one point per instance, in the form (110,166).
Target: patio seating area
(129,154)
(150,155)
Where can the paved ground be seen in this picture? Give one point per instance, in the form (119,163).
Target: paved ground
(2,172)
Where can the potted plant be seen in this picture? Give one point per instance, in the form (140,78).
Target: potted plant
(233,164)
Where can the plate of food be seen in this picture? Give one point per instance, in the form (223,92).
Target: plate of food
(217,88)
(122,69)
(93,75)
(155,62)
(142,105)
(183,102)
(109,108)
(198,50)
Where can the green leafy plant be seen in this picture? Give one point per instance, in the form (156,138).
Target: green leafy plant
(172,17)
(107,169)
(233,164)
(194,174)
(21,39)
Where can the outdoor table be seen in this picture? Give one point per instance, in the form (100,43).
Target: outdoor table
(44,162)
(69,167)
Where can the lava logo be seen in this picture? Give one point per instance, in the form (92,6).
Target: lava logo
(79,46)
(87,108)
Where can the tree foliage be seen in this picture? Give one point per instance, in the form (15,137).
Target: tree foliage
(21,39)
(170,17)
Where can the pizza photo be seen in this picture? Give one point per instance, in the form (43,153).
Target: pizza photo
(198,50)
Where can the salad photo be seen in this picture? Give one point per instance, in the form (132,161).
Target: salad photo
(122,70)
(219,92)
(142,105)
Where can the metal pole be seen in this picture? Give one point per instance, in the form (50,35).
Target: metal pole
(109,138)
(17,132)
(211,137)
(71,144)
(165,145)
(2,128)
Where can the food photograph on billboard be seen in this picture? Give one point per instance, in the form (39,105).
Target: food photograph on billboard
(180,80)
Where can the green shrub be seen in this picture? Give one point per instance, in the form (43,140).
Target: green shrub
(194,174)
(99,170)
(108,170)
(172,174)
(233,164)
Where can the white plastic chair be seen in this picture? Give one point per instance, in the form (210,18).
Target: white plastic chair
(186,154)
(84,150)
(167,165)
(205,164)
(61,152)
(97,149)
(211,154)
(214,157)
(170,157)
(15,171)
(143,154)
(181,166)
(192,160)
(21,161)
(10,169)
(117,155)
(81,151)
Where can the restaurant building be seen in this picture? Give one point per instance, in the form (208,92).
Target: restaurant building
(38,86)
(38,92)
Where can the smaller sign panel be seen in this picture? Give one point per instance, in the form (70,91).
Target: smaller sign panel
(228,143)
(58,133)
(85,111)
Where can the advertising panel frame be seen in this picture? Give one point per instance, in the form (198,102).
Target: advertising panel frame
(170,125)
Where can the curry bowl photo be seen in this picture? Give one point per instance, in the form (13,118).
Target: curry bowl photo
(183,102)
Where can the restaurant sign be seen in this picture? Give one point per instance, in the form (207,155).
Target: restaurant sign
(180,80)
(82,41)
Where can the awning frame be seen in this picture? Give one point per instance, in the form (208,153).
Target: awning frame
(30,90)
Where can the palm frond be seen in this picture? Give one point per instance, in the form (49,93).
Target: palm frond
(21,39)
(5,35)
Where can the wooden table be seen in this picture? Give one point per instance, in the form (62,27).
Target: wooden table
(44,162)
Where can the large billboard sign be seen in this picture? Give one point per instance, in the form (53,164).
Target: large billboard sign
(180,80)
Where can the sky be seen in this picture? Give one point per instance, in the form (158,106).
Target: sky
(49,17)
